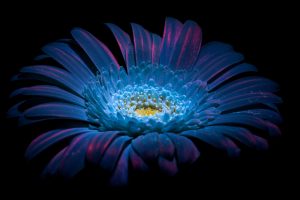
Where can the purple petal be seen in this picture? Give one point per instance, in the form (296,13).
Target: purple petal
(99,144)
(147,146)
(120,175)
(166,147)
(113,152)
(137,162)
(186,151)
(169,167)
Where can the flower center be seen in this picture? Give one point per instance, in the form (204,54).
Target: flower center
(147,102)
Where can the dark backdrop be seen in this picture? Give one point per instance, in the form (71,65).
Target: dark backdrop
(263,33)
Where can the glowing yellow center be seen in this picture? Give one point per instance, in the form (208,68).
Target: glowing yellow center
(146,111)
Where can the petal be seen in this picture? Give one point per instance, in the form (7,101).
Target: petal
(54,75)
(169,167)
(246,85)
(241,119)
(147,146)
(166,147)
(49,138)
(239,69)
(61,53)
(217,65)
(266,114)
(120,175)
(56,111)
(113,152)
(99,144)
(210,136)
(137,163)
(171,33)
(244,136)
(142,44)
(186,151)
(239,101)
(49,91)
(156,43)
(187,46)
(73,159)
(125,44)
(210,51)
(53,165)
(96,50)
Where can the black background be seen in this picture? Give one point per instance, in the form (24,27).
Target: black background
(263,33)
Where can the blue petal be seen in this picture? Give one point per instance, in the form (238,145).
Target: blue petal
(242,119)
(186,151)
(266,114)
(125,44)
(96,50)
(54,75)
(56,110)
(242,68)
(74,157)
(238,101)
(14,111)
(156,43)
(171,33)
(246,85)
(99,144)
(147,146)
(113,152)
(137,162)
(210,136)
(142,44)
(218,65)
(49,91)
(120,175)
(209,52)
(54,164)
(187,46)
(62,54)
(49,138)
(242,135)
(166,147)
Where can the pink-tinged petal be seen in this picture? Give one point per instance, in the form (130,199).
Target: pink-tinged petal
(137,162)
(187,47)
(96,50)
(156,43)
(47,139)
(99,144)
(124,43)
(142,44)
(74,157)
(113,152)
(171,33)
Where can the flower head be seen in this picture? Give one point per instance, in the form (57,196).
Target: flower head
(170,92)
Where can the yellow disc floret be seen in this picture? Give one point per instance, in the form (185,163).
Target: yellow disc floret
(146,111)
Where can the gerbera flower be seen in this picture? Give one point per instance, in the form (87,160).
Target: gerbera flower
(171,92)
